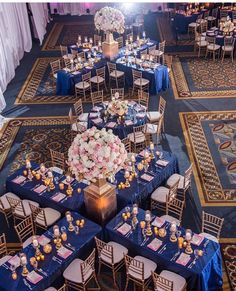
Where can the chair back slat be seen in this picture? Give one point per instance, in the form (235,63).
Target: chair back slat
(127,144)
(58,159)
(105,250)
(25,229)
(162,105)
(111,67)
(97,97)
(187,177)
(229,41)
(136,75)
(86,77)
(175,208)
(143,98)
(3,245)
(134,267)
(101,72)
(162,46)
(64,50)
(173,191)
(120,42)
(78,107)
(87,265)
(38,213)
(212,224)
(82,56)
(55,66)
(120,91)
(161,283)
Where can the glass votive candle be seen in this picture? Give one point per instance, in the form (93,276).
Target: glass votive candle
(61,186)
(142,224)
(180,242)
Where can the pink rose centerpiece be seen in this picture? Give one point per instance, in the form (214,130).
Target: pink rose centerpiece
(96,154)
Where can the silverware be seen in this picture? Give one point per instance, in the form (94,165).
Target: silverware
(27,284)
(144,241)
(42,271)
(5,266)
(57,260)
(35,187)
(175,256)
(70,246)
(118,225)
(128,233)
(162,249)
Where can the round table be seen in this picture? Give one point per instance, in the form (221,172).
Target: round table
(135,116)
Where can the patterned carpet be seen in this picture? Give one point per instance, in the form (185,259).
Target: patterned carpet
(229,256)
(202,78)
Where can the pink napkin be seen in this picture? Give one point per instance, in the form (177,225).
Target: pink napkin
(183,259)
(83,117)
(197,239)
(43,240)
(14,261)
(93,115)
(97,120)
(96,108)
(124,229)
(58,197)
(158,222)
(64,252)
(129,122)
(34,277)
(162,163)
(40,189)
(140,115)
(19,180)
(154,244)
(111,124)
(147,177)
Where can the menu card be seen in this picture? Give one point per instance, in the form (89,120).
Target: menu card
(111,124)
(64,252)
(19,179)
(162,163)
(147,177)
(34,277)
(40,189)
(14,261)
(58,197)
(124,229)
(197,239)
(154,244)
(158,222)
(43,240)
(183,259)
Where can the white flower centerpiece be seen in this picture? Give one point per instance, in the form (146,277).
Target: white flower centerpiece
(117,107)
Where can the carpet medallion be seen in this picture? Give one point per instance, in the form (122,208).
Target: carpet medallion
(229,257)
(202,78)
(210,138)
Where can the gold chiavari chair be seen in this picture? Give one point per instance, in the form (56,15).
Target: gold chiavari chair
(55,67)
(200,43)
(5,207)
(228,47)
(203,27)
(193,26)
(97,97)
(79,273)
(130,37)
(115,75)
(82,56)
(143,98)
(116,91)
(159,54)
(58,159)
(168,281)
(135,271)
(211,226)
(120,42)
(75,126)
(84,86)
(4,257)
(79,111)
(162,195)
(153,129)
(64,53)
(25,231)
(44,217)
(212,47)
(100,79)
(168,62)
(110,254)
(97,39)
(127,143)
(137,138)
(67,64)
(144,54)
(139,83)
(74,53)
(151,49)
(154,116)
(174,211)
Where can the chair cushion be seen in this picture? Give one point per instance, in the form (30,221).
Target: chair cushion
(227,48)
(202,43)
(210,18)
(83,117)
(50,289)
(4,200)
(154,115)
(141,82)
(193,24)
(149,266)
(82,85)
(151,128)
(160,194)
(55,75)
(5,259)
(173,179)
(139,137)
(178,281)
(73,272)
(117,74)
(28,241)
(209,236)
(118,253)
(170,219)
(51,215)
(26,207)
(97,79)
(213,47)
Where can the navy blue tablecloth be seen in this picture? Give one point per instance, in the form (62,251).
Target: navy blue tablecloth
(182,21)
(205,275)
(74,203)
(81,244)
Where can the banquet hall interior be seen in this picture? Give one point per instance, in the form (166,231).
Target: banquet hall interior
(117,146)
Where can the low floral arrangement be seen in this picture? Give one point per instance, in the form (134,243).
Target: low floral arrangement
(96,154)
(109,19)
(227,26)
(117,107)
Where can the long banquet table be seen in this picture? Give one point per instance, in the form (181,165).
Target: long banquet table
(80,244)
(203,275)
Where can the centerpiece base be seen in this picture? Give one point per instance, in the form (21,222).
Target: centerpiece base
(110,49)
(100,201)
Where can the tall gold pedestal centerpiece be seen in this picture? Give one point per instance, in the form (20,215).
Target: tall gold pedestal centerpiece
(100,201)
(110,46)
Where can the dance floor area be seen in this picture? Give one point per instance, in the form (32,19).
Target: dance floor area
(199,129)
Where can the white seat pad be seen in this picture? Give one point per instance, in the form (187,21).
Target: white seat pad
(178,281)
(151,128)
(117,74)
(4,200)
(83,117)
(170,219)
(118,253)
(26,207)
(28,241)
(5,259)
(213,47)
(228,48)
(51,215)
(82,85)
(154,115)
(193,24)
(141,82)
(173,179)
(50,289)
(73,272)
(97,79)
(202,43)
(139,137)
(160,194)
(149,266)
(209,236)
(210,18)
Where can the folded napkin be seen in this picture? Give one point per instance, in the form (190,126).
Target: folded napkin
(58,197)
(147,177)
(43,240)
(158,222)
(19,179)
(111,124)
(97,120)
(96,108)
(129,122)
(76,73)
(197,239)
(64,252)
(14,261)
(150,43)
(124,229)
(154,244)
(162,163)
(183,259)
(56,170)
(40,189)
(34,277)
(93,115)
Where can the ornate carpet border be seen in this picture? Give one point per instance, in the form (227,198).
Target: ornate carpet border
(12,126)
(182,91)
(208,186)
